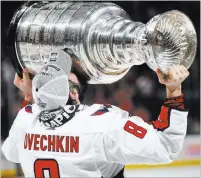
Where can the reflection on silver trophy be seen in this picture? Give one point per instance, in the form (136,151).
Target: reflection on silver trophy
(106,42)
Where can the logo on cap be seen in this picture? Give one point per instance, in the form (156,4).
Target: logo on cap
(40,103)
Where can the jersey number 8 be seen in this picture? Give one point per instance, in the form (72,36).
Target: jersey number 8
(134,129)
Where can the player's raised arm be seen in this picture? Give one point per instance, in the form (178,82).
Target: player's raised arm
(10,147)
(25,85)
(135,141)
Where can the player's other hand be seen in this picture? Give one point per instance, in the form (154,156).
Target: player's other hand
(24,84)
(176,75)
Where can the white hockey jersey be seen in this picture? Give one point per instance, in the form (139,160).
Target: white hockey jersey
(91,141)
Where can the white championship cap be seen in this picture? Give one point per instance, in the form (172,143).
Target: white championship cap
(50,87)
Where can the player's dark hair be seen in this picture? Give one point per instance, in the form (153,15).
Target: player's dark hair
(81,75)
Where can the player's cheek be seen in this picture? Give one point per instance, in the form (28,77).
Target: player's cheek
(72,95)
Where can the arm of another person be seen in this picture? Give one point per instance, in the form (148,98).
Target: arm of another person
(134,141)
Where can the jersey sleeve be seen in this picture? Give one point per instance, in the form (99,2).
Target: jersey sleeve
(9,146)
(134,141)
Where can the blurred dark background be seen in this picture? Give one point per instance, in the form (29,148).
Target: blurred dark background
(138,92)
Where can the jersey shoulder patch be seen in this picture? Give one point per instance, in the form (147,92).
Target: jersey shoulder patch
(28,108)
(102,110)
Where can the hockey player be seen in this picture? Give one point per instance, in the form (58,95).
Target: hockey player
(75,97)
(59,140)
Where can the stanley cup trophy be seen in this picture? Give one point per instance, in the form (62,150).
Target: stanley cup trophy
(105,41)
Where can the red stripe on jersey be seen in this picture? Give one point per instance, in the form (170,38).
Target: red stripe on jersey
(98,113)
(101,111)
(163,121)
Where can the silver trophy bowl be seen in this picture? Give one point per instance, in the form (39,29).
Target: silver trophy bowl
(172,40)
(102,38)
